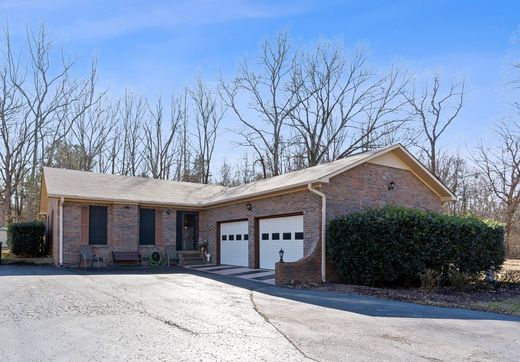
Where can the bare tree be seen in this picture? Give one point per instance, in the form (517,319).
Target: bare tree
(208,115)
(271,94)
(462,179)
(500,168)
(435,112)
(54,100)
(131,113)
(91,133)
(343,107)
(159,155)
(226,177)
(16,144)
(108,161)
(184,154)
(245,171)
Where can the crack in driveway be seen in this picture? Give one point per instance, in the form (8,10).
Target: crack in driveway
(139,308)
(268,321)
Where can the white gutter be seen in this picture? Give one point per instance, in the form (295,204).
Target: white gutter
(323,230)
(62,200)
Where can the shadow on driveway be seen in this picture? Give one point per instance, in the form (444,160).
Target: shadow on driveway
(365,305)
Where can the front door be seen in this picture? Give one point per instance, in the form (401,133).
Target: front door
(187,230)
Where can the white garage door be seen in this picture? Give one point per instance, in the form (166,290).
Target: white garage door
(234,238)
(280,233)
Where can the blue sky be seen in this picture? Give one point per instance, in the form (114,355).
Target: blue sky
(151,47)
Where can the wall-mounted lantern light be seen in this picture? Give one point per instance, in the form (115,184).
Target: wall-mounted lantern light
(249,206)
(168,212)
(392,186)
(281,252)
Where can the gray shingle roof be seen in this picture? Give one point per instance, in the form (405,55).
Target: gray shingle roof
(105,187)
(288,180)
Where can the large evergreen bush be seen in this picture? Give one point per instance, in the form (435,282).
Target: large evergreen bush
(394,245)
(27,238)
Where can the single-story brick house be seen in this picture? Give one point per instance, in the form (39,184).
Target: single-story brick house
(245,225)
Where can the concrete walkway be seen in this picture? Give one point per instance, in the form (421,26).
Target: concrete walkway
(259,275)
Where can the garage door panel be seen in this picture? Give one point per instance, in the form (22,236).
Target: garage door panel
(279,224)
(269,252)
(234,248)
(280,233)
(234,253)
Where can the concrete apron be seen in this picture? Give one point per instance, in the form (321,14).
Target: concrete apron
(259,275)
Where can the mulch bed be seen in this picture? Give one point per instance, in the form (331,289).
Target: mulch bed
(505,299)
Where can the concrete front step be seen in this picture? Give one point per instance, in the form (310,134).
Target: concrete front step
(192,261)
(191,258)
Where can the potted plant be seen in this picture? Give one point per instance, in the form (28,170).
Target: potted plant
(202,245)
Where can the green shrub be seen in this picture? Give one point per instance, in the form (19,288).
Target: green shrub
(430,279)
(460,280)
(394,245)
(27,238)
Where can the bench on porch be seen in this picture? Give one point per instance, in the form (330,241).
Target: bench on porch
(125,256)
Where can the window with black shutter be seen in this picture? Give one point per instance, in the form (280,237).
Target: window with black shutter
(147,226)
(97,225)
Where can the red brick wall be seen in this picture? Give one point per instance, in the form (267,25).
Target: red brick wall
(122,231)
(362,187)
(71,233)
(367,186)
(306,270)
(302,201)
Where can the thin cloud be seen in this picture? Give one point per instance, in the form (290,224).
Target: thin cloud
(103,22)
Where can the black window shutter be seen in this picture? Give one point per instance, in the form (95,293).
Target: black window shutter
(179,228)
(97,225)
(147,226)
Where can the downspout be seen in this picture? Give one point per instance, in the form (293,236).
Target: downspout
(323,229)
(61,232)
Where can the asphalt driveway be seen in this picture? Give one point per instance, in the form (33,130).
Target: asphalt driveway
(49,314)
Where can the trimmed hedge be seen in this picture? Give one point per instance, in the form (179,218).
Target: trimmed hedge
(27,238)
(393,245)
